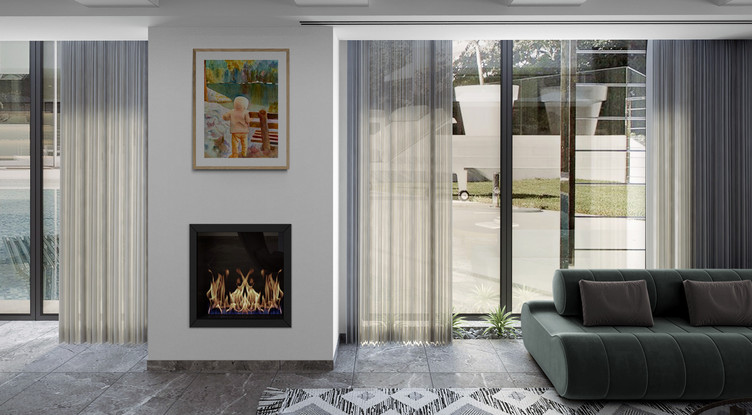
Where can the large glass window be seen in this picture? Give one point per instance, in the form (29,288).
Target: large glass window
(579,160)
(29,150)
(15,182)
(577,171)
(476,169)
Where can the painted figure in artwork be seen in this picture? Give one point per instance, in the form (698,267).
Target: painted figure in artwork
(240,124)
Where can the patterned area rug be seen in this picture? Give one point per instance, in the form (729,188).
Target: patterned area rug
(478,401)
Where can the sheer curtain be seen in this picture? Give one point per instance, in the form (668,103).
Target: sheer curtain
(702,147)
(103,213)
(400,114)
(669,157)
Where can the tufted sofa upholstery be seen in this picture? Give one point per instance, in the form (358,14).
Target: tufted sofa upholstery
(671,360)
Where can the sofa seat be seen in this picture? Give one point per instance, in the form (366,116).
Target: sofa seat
(671,360)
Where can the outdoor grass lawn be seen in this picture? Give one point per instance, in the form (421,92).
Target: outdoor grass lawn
(599,199)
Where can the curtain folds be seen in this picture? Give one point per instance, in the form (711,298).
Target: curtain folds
(103,213)
(701,148)
(403,133)
(669,201)
(721,154)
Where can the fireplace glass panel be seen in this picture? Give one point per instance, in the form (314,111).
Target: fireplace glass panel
(240,275)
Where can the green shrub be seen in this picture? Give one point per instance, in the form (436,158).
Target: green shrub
(457,320)
(500,320)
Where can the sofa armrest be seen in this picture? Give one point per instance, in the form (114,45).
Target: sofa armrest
(559,353)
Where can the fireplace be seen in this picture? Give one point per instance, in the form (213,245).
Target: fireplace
(240,275)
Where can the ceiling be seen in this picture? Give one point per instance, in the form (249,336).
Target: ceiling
(68,19)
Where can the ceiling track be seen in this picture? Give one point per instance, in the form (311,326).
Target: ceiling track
(516,22)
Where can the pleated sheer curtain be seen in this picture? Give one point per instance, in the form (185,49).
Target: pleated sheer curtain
(700,197)
(103,212)
(400,122)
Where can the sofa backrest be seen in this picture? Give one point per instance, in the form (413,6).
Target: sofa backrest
(664,286)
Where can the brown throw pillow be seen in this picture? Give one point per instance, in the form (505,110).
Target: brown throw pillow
(722,303)
(615,303)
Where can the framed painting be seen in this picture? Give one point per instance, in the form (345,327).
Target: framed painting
(241,108)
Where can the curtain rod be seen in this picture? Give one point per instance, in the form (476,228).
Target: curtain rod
(513,23)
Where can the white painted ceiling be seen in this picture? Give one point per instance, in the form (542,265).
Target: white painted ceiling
(67,19)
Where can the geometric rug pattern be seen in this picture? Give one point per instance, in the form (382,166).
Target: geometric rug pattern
(454,401)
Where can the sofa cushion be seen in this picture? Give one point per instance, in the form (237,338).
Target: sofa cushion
(615,303)
(727,303)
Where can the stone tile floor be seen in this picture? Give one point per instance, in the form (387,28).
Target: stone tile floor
(38,375)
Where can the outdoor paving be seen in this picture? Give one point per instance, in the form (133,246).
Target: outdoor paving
(476,252)
(37,375)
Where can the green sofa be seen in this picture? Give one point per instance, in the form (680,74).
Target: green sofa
(671,360)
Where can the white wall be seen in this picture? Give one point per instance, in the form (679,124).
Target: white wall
(342,181)
(302,196)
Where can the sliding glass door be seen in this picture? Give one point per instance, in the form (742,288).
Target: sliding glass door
(578,160)
(576,155)
(29,180)
(476,169)
(15,177)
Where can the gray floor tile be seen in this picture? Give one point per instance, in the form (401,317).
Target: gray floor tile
(141,394)
(514,356)
(472,380)
(464,356)
(229,393)
(51,324)
(59,394)
(120,383)
(11,384)
(392,380)
(15,333)
(346,358)
(530,380)
(312,380)
(18,358)
(55,357)
(391,358)
(105,358)
(140,366)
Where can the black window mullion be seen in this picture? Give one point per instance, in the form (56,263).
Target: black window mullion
(36,107)
(505,181)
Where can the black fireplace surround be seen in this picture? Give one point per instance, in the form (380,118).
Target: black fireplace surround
(240,275)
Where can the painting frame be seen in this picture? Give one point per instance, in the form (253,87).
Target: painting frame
(265,147)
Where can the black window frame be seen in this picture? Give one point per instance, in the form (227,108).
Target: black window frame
(36,109)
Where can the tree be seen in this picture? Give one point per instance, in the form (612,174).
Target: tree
(538,58)
(465,65)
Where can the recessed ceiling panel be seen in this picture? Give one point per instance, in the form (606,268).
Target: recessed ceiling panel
(545,2)
(733,2)
(327,3)
(119,3)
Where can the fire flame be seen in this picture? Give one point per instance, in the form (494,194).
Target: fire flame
(244,300)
